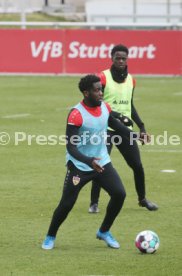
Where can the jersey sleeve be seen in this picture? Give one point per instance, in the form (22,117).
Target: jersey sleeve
(134,82)
(102,77)
(75,118)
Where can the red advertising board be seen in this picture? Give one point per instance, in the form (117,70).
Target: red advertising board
(31,51)
(88,51)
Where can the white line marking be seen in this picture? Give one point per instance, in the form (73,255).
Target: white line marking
(16,116)
(168,171)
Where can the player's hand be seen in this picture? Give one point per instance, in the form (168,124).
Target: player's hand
(144,138)
(125,120)
(96,165)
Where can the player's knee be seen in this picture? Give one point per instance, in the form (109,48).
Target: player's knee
(120,195)
(123,195)
(65,206)
(136,166)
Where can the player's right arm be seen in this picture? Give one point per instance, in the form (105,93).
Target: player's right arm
(102,77)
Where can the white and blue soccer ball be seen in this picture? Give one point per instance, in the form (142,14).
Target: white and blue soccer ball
(147,241)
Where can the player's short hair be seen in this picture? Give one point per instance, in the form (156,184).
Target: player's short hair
(86,83)
(120,48)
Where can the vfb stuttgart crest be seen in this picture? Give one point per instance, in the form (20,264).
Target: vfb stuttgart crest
(76,180)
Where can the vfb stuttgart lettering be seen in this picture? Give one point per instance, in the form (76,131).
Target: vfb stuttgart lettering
(54,49)
(48,49)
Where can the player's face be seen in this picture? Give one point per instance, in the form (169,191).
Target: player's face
(119,60)
(95,94)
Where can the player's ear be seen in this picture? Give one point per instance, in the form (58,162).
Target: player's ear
(86,94)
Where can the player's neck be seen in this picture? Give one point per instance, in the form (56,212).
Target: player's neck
(88,103)
(118,75)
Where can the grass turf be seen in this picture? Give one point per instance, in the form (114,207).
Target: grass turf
(32,178)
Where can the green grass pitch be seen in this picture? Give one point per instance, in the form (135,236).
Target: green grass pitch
(31,179)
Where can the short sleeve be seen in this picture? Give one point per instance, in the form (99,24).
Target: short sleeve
(75,118)
(134,82)
(102,77)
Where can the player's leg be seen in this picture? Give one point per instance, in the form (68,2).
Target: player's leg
(94,198)
(74,181)
(111,183)
(95,188)
(131,154)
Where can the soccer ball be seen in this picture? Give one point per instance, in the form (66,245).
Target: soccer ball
(147,241)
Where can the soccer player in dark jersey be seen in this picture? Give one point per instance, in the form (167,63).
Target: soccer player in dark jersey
(118,88)
(88,159)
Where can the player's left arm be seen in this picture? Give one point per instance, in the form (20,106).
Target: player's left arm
(136,118)
(120,128)
(123,119)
